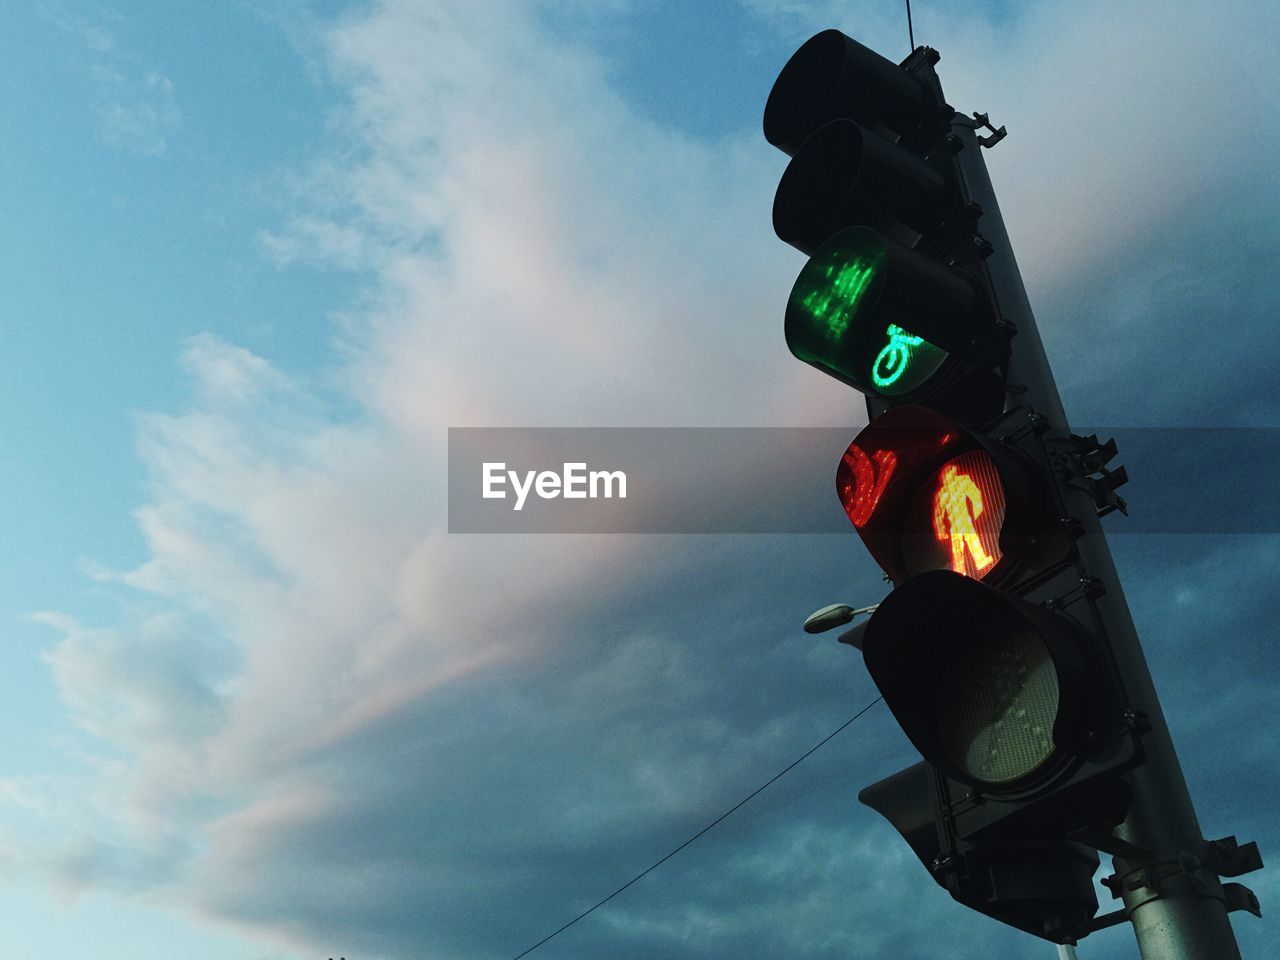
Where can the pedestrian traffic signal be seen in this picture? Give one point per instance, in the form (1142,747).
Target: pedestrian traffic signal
(990,651)
(1012,698)
(878,315)
(990,655)
(926,493)
(894,300)
(998,693)
(1005,650)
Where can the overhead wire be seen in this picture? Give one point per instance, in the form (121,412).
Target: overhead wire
(749,797)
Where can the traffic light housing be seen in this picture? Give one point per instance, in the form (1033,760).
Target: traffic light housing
(993,658)
(991,652)
(831,77)
(878,315)
(926,493)
(1042,888)
(894,300)
(1013,701)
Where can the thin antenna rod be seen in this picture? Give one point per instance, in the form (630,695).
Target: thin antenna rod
(910,33)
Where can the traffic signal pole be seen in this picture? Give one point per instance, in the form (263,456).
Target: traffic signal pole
(1166,874)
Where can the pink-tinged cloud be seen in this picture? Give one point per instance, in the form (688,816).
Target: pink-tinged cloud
(326,717)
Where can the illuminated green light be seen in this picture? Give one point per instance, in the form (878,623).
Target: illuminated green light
(891,362)
(834,303)
(839,320)
(902,353)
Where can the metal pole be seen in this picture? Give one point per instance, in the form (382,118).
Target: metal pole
(1174,901)
(1066,952)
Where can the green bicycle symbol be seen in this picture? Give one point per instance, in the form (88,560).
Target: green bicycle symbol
(892,360)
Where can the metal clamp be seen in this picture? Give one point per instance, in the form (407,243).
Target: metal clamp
(1086,586)
(1085,460)
(1228,858)
(996,134)
(1193,872)
(1240,897)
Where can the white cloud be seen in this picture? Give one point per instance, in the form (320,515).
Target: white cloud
(135,106)
(95,35)
(1115,133)
(534,233)
(323,680)
(136,112)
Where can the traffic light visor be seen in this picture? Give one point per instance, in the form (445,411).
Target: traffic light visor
(926,493)
(844,176)
(989,688)
(834,320)
(832,76)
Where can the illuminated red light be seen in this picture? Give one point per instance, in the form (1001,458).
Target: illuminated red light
(956,521)
(957,504)
(861,481)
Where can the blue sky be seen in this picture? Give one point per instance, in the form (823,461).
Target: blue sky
(254,260)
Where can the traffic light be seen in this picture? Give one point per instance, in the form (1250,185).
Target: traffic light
(1006,651)
(991,656)
(991,651)
(926,493)
(894,300)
